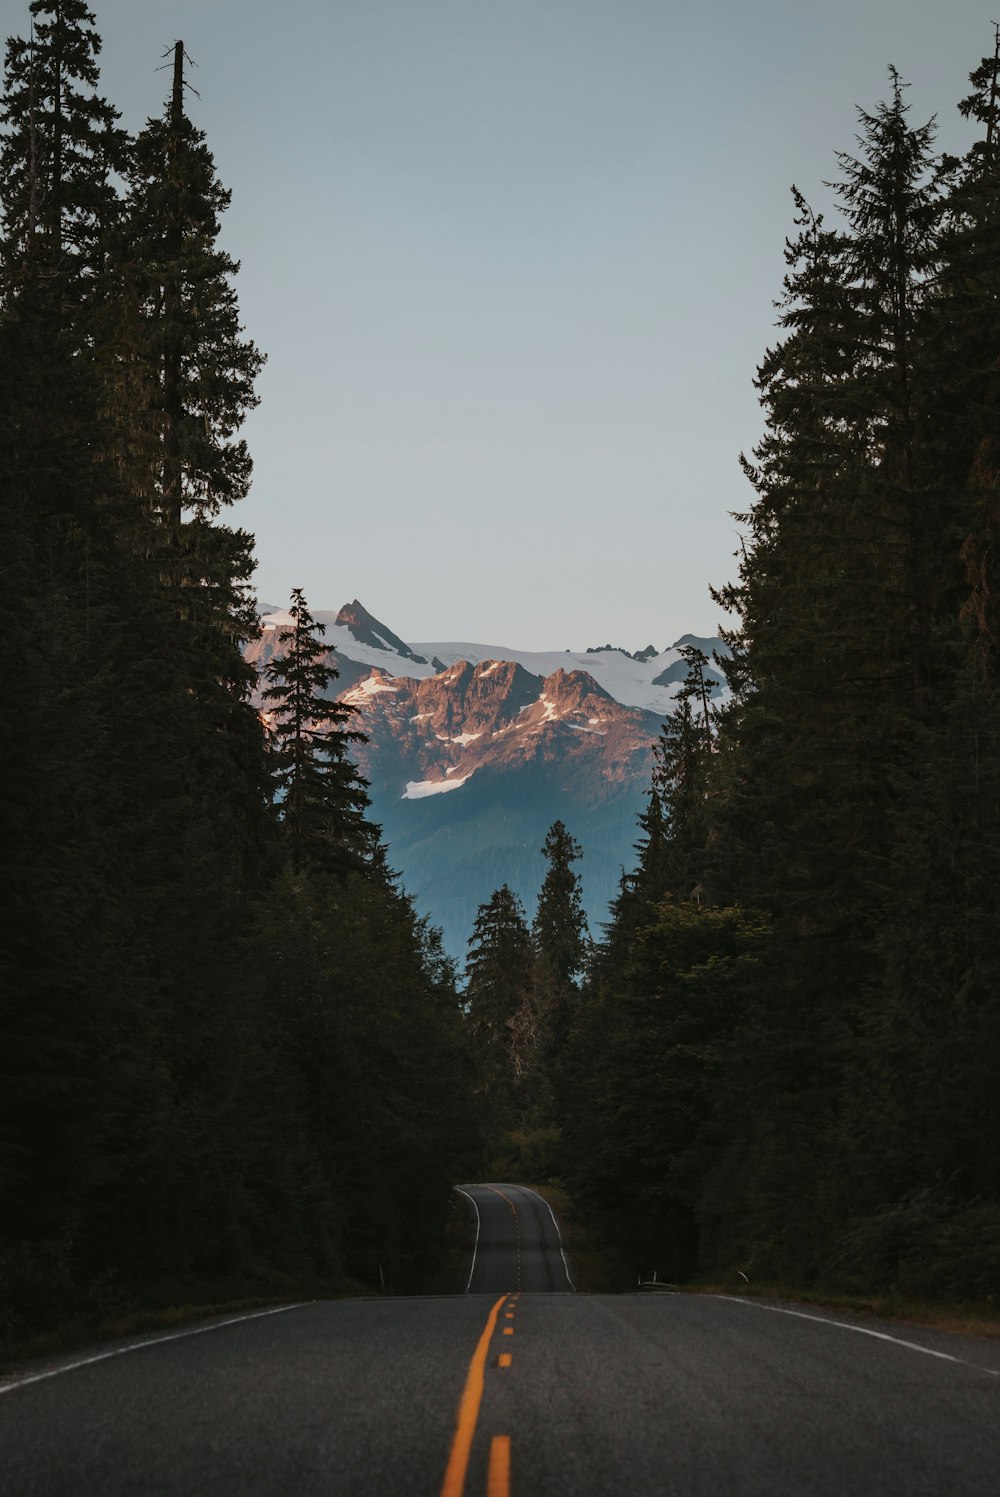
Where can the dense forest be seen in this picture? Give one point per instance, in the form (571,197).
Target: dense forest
(781,1060)
(232,1060)
(786,1059)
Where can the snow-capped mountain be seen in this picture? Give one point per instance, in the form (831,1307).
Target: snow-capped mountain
(474,750)
(650,679)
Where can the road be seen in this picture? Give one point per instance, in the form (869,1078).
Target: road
(518,1243)
(507,1392)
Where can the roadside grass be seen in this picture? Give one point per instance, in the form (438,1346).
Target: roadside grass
(982,1319)
(598,1269)
(162,1306)
(162,1311)
(452,1274)
(594,1271)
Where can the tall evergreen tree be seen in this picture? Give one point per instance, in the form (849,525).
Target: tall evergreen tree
(499,995)
(179,381)
(840,600)
(181,322)
(809,1087)
(60,149)
(931,1035)
(147,1004)
(559,929)
(560,936)
(321,797)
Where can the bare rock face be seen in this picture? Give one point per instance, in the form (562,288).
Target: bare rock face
(430,736)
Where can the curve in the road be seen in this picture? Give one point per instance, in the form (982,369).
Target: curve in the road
(519,1245)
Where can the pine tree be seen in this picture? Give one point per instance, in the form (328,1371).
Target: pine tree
(499,995)
(180,320)
(681,777)
(930,1039)
(559,936)
(178,378)
(638,891)
(962,347)
(815,1094)
(840,600)
(559,929)
(140,1027)
(60,149)
(321,797)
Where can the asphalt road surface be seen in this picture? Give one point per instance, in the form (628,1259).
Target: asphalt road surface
(507,1392)
(518,1243)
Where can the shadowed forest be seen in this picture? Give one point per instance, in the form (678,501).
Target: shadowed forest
(232,1059)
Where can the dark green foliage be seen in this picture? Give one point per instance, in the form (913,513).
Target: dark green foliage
(320,796)
(642,1082)
(68,955)
(559,929)
(500,1001)
(59,149)
(816,1097)
(373,1122)
(222,1069)
(560,938)
(179,329)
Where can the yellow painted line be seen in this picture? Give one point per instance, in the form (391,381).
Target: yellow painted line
(517,1228)
(498,1479)
(468,1410)
(508,1315)
(505,1359)
(508,1330)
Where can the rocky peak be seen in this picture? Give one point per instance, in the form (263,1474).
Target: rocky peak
(466,700)
(367,630)
(647,654)
(572,689)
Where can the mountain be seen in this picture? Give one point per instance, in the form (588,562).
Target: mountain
(474,750)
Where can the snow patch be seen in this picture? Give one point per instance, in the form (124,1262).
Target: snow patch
(369,688)
(419,789)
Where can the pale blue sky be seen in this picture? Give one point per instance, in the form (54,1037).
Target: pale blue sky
(512,262)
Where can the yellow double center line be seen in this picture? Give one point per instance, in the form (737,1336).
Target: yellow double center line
(498,1480)
(517,1228)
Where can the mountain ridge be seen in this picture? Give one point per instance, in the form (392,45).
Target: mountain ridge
(474,750)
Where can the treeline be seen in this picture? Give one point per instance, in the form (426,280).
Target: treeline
(231,1055)
(786,1061)
(521,995)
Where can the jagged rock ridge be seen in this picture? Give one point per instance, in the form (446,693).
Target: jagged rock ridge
(472,754)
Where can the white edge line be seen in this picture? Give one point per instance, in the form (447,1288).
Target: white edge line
(475,1249)
(555,1223)
(862,1330)
(119,1351)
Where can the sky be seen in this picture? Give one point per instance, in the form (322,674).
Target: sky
(513,265)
